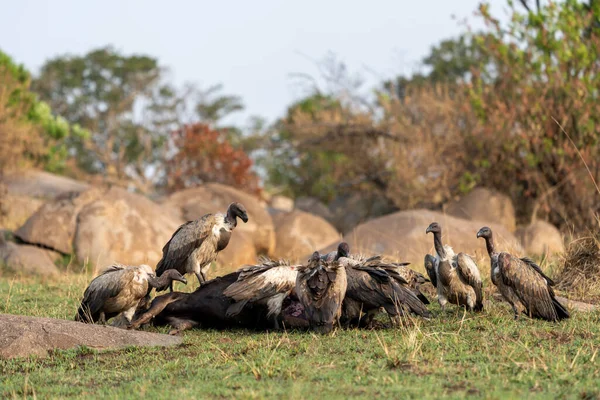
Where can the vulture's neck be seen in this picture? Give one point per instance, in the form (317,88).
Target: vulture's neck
(489,244)
(160,282)
(439,247)
(230,218)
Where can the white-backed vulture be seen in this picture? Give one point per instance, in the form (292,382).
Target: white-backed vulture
(267,283)
(343,250)
(196,244)
(456,276)
(119,289)
(320,287)
(373,284)
(522,283)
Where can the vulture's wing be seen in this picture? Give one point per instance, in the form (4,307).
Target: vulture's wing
(529,285)
(537,268)
(469,273)
(104,286)
(260,282)
(430,267)
(184,241)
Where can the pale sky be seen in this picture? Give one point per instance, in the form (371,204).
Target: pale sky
(251,46)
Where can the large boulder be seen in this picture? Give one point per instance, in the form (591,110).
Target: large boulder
(102,226)
(41,184)
(16,209)
(483,204)
(281,203)
(299,233)
(28,260)
(401,235)
(215,197)
(53,225)
(23,192)
(22,336)
(349,210)
(124,227)
(541,237)
(314,206)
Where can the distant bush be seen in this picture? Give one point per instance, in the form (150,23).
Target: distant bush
(202,155)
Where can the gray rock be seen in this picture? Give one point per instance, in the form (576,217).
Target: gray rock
(485,205)
(28,259)
(22,336)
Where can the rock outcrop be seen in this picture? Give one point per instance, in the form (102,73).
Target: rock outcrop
(22,336)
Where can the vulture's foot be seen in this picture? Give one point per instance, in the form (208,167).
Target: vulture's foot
(180,325)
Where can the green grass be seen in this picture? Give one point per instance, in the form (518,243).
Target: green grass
(454,355)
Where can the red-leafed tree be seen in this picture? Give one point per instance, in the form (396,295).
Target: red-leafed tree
(205,155)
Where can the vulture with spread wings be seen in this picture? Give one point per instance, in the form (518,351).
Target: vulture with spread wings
(321,287)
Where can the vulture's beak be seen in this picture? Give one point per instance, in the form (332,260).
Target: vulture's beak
(479,234)
(428,230)
(244,217)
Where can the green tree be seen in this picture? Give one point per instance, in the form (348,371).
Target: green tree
(123,101)
(30,133)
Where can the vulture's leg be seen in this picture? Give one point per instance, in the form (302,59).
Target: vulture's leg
(157,306)
(180,325)
(102,318)
(515,311)
(171,287)
(201,278)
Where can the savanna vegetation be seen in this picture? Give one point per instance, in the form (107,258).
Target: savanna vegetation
(512,107)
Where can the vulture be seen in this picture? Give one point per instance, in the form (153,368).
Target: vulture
(372,284)
(343,250)
(268,283)
(196,244)
(522,283)
(119,289)
(320,287)
(455,276)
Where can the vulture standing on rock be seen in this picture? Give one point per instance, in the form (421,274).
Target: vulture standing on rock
(320,287)
(522,283)
(196,244)
(119,289)
(372,284)
(455,276)
(268,283)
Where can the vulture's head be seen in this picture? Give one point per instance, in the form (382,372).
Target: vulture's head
(314,260)
(147,269)
(434,228)
(343,250)
(174,275)
(237,210)
(485,233)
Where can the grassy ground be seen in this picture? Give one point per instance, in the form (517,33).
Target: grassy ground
(454,355)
